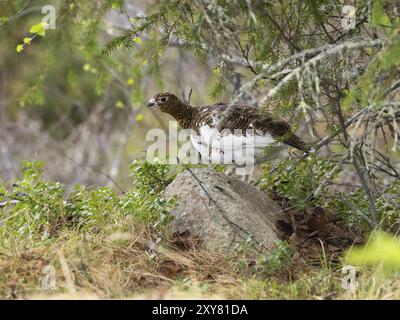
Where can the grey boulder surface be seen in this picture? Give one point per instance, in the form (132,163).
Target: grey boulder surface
(222,210)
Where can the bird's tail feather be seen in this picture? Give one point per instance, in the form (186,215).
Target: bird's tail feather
(296,142)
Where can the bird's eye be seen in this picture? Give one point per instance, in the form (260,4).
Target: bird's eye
(163,99)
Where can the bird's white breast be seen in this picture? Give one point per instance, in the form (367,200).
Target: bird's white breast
(225,147)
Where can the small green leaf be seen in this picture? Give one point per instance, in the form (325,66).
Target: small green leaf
(119,104)
(217,71)
(87,67)
(137,40)
(139,118)
(39,29)
(20,47)
(27,40)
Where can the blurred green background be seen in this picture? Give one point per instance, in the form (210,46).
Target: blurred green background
(82,112)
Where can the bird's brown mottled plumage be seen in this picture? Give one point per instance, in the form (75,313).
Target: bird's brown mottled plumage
(239,117)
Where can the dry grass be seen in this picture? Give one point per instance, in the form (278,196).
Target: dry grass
(135,265)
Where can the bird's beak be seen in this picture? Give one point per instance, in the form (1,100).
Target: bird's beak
(152,103)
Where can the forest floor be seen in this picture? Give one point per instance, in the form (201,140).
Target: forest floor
(145,263)
(96,243)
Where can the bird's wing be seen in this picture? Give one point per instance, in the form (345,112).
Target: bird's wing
(238,117)
(243,118)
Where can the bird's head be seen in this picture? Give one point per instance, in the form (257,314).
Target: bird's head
(165,101)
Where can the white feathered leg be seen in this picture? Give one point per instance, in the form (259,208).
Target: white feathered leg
(245,173)
(229,170)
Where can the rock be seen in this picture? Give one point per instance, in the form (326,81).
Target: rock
(231,212)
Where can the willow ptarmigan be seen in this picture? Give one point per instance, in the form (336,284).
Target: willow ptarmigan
(210,124)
